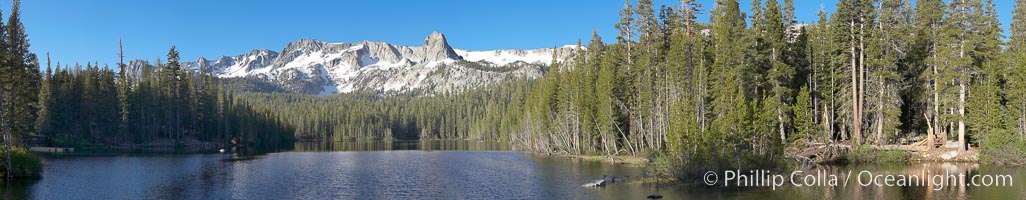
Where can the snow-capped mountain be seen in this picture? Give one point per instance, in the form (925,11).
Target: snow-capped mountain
(316,67)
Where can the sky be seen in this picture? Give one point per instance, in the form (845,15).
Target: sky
(80,31)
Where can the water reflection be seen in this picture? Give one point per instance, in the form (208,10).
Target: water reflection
(389,145)
(429,170)
(18,189)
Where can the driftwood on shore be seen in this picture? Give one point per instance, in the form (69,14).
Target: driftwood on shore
(818,152)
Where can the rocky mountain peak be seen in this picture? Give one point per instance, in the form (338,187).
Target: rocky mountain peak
(224,61)
(317,67)
(437,48)
(303,44)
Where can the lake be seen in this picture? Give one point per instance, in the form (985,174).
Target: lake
(432,170)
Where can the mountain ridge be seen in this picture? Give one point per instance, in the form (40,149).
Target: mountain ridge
(322,68)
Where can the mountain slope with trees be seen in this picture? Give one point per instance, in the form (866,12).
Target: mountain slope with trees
(94,106)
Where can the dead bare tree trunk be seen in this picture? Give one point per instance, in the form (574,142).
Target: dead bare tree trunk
(856,120)
(961,113)
(862,75)
(879,114)
(936,106)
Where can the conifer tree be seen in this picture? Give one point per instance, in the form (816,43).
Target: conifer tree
(1016,58)
(730,102)
(886,51)
(780,74)
(929,21)
(597,101)
(805,127)
(606,116)
(687,71)
(956,38)
(46,101)
(626,34)
(20,82)
(985,111)
(823,75)
(848,30)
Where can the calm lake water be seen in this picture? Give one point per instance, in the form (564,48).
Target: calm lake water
(432,170)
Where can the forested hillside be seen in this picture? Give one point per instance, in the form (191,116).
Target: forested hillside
(748,85)
(96,106)
(479,114)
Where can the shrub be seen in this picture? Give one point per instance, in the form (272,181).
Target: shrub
(662,166)
(25,164)
(1002,147)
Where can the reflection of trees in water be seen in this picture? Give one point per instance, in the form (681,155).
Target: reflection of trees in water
(243,153)
(388,145)
(919,182)
(922,188)
(384,175)
(191,178)
(928,189)
(18,189)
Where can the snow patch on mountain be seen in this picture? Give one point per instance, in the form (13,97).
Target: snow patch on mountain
(504,57)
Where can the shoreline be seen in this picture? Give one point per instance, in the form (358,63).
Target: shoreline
(619,159)
(189,145)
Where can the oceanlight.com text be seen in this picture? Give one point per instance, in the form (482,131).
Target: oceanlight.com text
(819,178)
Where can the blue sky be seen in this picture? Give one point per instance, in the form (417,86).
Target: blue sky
(88,30)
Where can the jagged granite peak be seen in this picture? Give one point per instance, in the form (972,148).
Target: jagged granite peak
(135,67)
(202,64)
(224,61)
(136,64)
(318,67)
(437,48)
